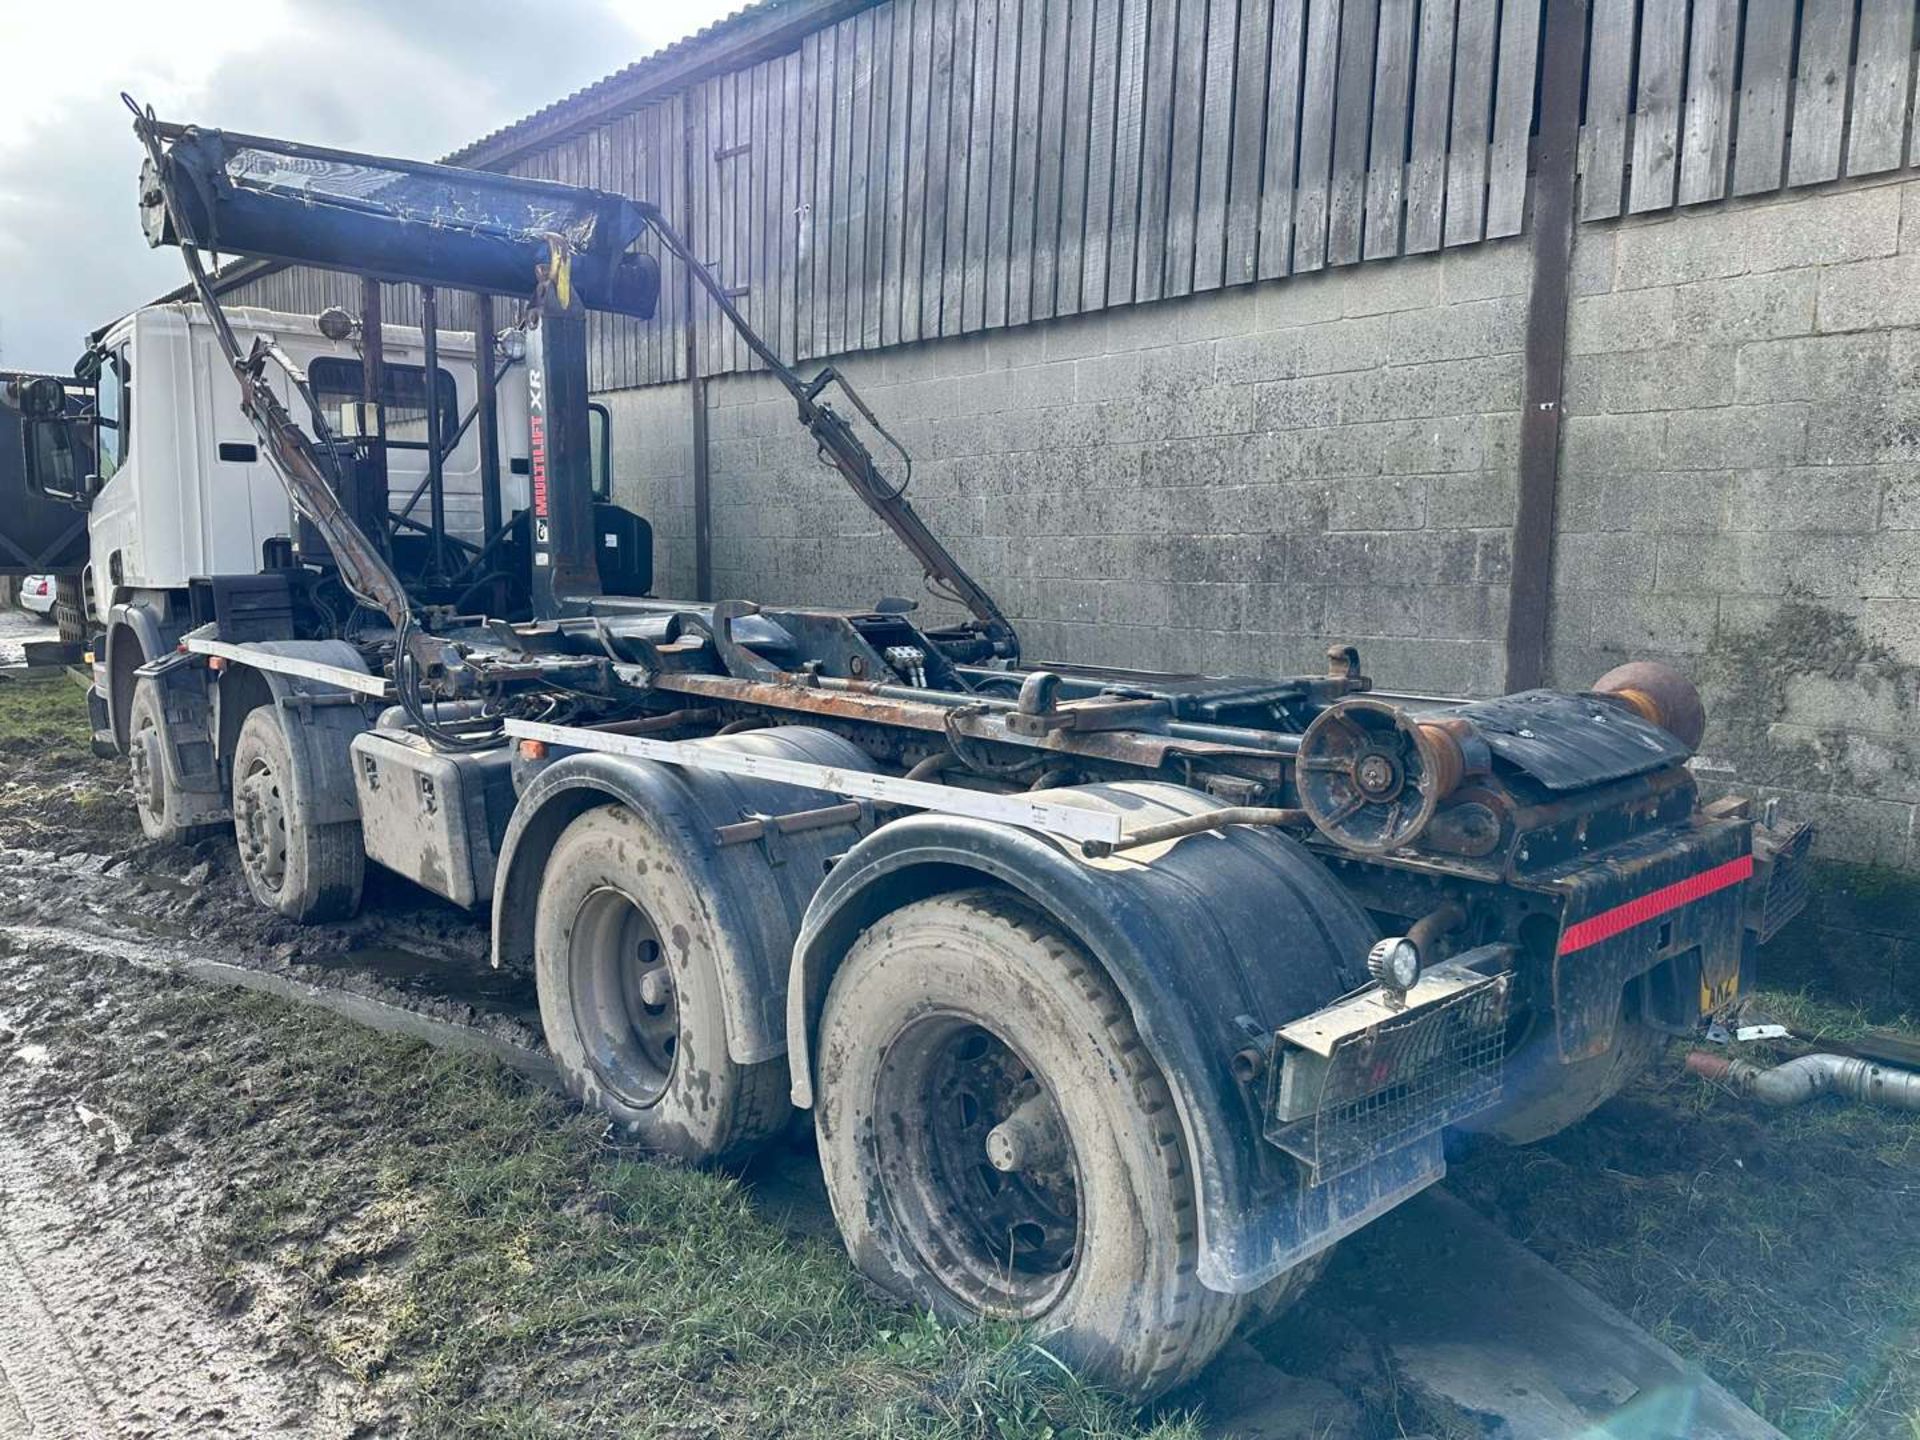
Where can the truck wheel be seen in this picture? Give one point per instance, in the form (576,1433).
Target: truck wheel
(154,798)
(997,1142)
(626,961)
(307,872)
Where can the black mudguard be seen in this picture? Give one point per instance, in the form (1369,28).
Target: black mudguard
(1214,941)
(319,735)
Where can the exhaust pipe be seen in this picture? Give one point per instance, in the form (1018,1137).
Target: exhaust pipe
(1800,1080)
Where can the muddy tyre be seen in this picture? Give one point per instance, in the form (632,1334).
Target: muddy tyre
(626,961)
(308,872)
(984,1105)
(1543,1097)
(155,799)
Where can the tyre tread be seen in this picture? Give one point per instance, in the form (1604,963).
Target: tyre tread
(1200,1320)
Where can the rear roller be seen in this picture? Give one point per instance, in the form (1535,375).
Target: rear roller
(626,958)
(997,1142)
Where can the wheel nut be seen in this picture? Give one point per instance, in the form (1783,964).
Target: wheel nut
(656,987)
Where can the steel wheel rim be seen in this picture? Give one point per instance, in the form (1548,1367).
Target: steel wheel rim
(625,1005)
(262,829)
(1004,1244)
(143,755)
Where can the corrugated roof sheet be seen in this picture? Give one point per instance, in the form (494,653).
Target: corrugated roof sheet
(636,83)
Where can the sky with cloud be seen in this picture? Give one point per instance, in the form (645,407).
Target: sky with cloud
(419,78)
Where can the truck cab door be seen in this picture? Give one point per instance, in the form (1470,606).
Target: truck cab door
(42,532)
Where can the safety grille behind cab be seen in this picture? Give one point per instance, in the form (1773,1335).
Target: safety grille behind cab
(1399,1079)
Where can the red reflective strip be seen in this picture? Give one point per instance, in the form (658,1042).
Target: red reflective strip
(1609,923)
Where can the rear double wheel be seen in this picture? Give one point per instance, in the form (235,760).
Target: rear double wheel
(627,959)
(997,1141)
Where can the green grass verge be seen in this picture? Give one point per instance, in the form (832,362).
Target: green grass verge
(1776,1248)
(481,1251)
(46,715)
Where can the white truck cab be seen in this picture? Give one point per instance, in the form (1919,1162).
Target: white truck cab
(184,491)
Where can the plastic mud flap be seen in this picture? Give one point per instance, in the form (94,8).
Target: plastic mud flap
(1678,894)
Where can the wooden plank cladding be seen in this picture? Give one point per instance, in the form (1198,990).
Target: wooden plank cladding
(922,169)
(1690,101)
(932,168)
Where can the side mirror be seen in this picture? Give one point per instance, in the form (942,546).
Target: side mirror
(43,398)
(52,460)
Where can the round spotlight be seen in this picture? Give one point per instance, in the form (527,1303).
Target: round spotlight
(337,324)
(513,344)
(1395,964)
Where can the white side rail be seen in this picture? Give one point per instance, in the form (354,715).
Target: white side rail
(357,681)
(1048,816)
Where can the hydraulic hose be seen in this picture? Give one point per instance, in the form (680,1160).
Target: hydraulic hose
(1800,1080)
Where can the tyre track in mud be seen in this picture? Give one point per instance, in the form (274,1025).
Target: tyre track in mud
(102,1340)
(387,1016)
(107,1327)
(44,1386)
(110,1328)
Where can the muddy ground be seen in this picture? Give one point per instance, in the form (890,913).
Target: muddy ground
(222,1215)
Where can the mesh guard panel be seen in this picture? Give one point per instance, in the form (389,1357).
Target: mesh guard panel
(1402,1078)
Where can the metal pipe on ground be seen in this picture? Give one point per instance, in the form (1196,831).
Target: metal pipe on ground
(1800,1080)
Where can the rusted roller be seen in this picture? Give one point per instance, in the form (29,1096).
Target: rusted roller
(1659,694)
(1370,775)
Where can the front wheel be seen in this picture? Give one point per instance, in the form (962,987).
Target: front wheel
(156,801)
(997,1142)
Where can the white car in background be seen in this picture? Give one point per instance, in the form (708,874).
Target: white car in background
(37,594)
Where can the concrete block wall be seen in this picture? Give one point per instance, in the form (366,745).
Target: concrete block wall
(1740,489)
(1740,493)
(652,434)
(1227,482)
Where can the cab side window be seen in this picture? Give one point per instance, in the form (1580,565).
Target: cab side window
(114,411)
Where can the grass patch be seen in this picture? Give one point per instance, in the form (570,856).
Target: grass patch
(45,716)
(1774,1247)
(479,1250)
